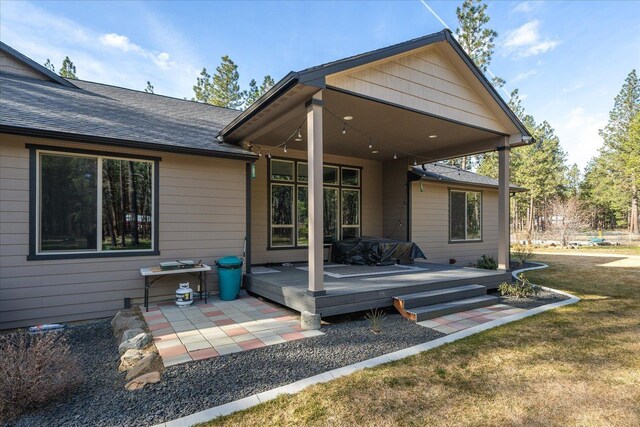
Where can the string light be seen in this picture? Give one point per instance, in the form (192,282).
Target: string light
(259,152)
(415,162)
(370,144)
(344,130)
(269,155)
(395,156)
(285,148)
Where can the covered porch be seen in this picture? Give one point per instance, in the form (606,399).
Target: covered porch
(348,133)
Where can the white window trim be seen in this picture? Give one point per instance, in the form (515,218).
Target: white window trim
(99,159)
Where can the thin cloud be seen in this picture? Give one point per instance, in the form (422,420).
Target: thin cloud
(526,41)
(526,6)
(573,88)
(524,76)
(123,43)
(578,132)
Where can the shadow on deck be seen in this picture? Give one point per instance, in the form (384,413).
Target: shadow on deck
(355,288)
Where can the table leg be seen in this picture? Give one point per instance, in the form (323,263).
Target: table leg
(206,293)
(146,293)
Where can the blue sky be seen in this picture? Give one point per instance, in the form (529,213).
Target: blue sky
(569,59)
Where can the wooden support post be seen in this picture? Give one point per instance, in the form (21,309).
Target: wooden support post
(315,194)
(504,235)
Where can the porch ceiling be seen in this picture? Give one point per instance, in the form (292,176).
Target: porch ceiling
(391,129)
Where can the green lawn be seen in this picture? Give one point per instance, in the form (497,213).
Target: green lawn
(576,365)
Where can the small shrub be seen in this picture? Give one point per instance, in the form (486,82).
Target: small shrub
(522,253)
(34,370)
(523,288)
(375,318)
(487,262)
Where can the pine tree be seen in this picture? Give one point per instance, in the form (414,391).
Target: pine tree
(621,151)
(256,91)
(478,41)
(68,70)
(225,90)
(149,88)
(203,88)
(49,66)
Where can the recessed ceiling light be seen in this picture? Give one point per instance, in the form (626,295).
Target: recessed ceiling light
(375,152)
(347,118)
(433,136)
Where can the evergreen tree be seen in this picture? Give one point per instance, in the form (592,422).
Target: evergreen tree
(203,88)
(149,88)
(256,91)
(225,90)
(68,70)
(478,41)
(49,66)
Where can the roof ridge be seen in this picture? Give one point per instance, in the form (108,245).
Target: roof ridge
(156,94)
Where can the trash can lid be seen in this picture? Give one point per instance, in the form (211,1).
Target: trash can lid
(229,261)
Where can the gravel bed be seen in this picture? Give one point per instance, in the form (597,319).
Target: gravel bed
(195,386)
(543,298)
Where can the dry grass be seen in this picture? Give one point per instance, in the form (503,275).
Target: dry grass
(577,365)
(618,250)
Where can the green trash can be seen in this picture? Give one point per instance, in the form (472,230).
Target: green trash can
(229,277)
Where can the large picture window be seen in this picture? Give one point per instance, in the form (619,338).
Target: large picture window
(92,205)
(289,212)
(465,215)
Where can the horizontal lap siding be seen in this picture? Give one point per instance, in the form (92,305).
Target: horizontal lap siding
(425,81)
(430,225)
(371,206)
(202,217)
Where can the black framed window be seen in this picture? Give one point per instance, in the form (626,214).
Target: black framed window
(465,216)
(289,212)
(90,204)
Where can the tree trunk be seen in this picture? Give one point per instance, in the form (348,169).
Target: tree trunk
(530,219)
(633,220)
(108,205)
(123,211)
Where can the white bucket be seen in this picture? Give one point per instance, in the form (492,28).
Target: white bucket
(184,295)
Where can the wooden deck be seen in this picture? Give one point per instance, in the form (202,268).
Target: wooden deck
(288,285)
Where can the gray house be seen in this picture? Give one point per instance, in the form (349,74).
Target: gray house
(330,153)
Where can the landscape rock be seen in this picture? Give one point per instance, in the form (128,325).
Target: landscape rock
(130,358)
(120,320)
(141,381)
(130,333)
(141,367)
(137,342)
(309,321)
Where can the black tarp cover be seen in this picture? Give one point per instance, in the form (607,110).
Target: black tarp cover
(375,251)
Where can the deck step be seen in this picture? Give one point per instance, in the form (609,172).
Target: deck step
(420,299)
(419,314)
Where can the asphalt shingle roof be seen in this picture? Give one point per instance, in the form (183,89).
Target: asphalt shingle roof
(103,111)
(452,174)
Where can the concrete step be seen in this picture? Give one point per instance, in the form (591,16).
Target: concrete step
(421,299)
(419,314)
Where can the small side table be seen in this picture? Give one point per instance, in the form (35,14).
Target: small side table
(153,274)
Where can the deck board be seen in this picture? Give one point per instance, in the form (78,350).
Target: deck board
(345,295)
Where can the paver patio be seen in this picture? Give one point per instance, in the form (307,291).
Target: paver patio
(202,331)
(466,319)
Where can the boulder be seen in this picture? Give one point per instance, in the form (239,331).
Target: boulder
(141,367)
(139,341)
(130,358)
(130,333)
(141,381)
(309,321)
(120,320)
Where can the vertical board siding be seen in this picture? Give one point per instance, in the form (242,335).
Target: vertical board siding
(395,221)
(371,206)
(430,224)
(423,80)
(201,217)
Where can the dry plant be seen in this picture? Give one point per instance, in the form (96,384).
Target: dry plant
(567,217)
(375,318)
(521,252)
(35,369)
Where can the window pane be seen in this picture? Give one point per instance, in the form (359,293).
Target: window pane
(350,177)
(282,214)
(350,207)
(350,232)
(330,174)
(68,198)
(457,215)
(282,170)
(330,217)
(303,216)
(473,216)
(126,204)
(303,172)
(282,236)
